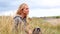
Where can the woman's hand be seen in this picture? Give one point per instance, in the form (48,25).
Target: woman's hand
(30,31)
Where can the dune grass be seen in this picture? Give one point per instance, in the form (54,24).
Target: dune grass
(6,25)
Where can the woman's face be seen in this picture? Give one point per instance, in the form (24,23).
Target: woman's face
(26,10)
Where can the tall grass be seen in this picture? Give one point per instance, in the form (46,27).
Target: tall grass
(6,25)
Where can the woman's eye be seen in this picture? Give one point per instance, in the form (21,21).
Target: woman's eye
(26,8)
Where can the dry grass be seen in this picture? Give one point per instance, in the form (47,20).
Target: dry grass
(6,25)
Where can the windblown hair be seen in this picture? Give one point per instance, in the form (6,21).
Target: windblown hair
(21,7)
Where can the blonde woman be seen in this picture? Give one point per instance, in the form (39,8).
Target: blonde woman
(21,18)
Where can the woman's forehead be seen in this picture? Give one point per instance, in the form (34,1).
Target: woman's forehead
(26,6)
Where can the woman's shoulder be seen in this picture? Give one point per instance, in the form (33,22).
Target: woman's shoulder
(17,18)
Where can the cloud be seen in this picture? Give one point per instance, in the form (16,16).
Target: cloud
(45,4)
(37,7)
(6,5)
(42,4)
(8,13)
(44,12)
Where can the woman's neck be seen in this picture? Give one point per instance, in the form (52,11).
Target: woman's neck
(23,15)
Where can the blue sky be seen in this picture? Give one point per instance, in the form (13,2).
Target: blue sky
(38,8)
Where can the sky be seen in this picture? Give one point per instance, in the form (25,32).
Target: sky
(37,8)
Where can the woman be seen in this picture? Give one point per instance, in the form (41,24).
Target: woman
(21,18)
